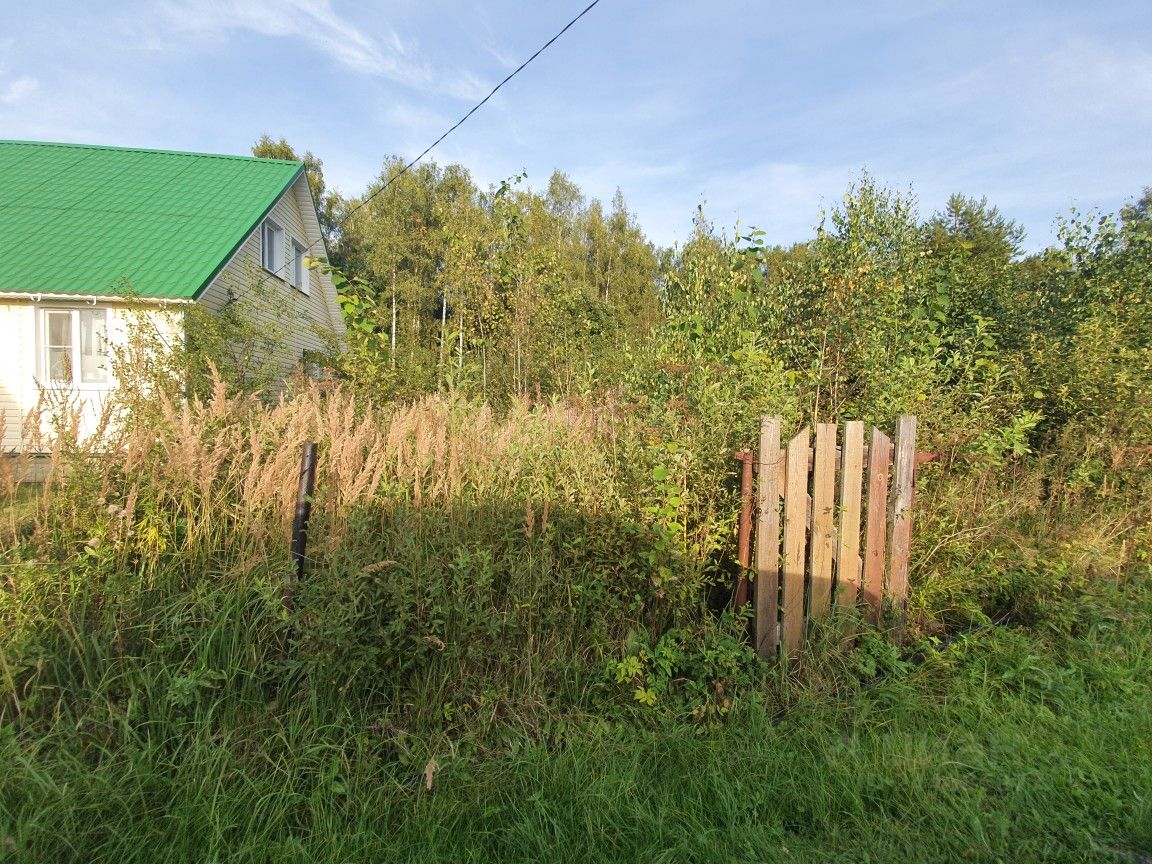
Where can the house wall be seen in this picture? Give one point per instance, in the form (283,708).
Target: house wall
(17,352)
(297,321)
(20,366)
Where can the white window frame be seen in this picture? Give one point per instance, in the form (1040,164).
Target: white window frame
(298,272)
(76,382)
(272,254)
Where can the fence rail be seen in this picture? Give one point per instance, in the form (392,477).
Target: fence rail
(833,525)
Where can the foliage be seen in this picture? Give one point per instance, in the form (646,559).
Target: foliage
(242,339)
(500,293)
(521,550)
(985,742)
(1090,351)
(327,202)
(506,554)
(690,676)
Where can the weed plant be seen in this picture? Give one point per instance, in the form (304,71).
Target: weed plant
(464,569)
(1008,744)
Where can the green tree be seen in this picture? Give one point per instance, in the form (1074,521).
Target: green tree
(328,203)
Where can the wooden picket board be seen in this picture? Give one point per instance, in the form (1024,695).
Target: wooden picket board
(875,542)
(813,549)
(795,539)
(823,537)
(901,517)
(848,563)
(768,538)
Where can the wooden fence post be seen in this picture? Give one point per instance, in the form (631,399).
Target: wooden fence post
(848,564)
(744,530)
(823,537)
(879,455)
(905,472)
(795,538)
(307,481)
(768,539)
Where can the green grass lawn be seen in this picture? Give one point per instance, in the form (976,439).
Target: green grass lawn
(1007,745)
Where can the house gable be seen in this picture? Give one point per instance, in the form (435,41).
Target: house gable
(269,298)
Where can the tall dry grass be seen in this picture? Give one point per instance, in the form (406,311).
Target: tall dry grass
(505,552)
(232,459)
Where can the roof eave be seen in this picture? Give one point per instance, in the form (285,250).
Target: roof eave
(38,296)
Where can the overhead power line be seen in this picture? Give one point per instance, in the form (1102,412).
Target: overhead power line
(462,120)
(284,268)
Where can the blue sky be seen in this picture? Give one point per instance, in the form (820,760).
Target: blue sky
(761,111)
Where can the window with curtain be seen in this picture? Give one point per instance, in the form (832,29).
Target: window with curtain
(75,347)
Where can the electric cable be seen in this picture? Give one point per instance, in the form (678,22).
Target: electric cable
(409,165)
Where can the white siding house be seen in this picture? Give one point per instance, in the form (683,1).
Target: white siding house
(113,234)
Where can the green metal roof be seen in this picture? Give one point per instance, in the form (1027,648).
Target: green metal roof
(78,219)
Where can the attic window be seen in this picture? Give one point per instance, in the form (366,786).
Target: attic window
(272,246)
(299,271)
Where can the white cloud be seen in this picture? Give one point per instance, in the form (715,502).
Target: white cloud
(506,59)
(313,21)
(464,85)
(316,23)
(18,90)
(98,109)
(416,117)
(1104,81)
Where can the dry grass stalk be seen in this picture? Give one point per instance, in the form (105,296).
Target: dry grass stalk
(229,463)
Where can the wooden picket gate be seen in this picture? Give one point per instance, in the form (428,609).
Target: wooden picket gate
(820,544)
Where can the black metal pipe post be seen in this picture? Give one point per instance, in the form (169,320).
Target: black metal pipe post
(303,512)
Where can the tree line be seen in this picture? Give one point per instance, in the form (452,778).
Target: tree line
(507,292)
(501,292)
